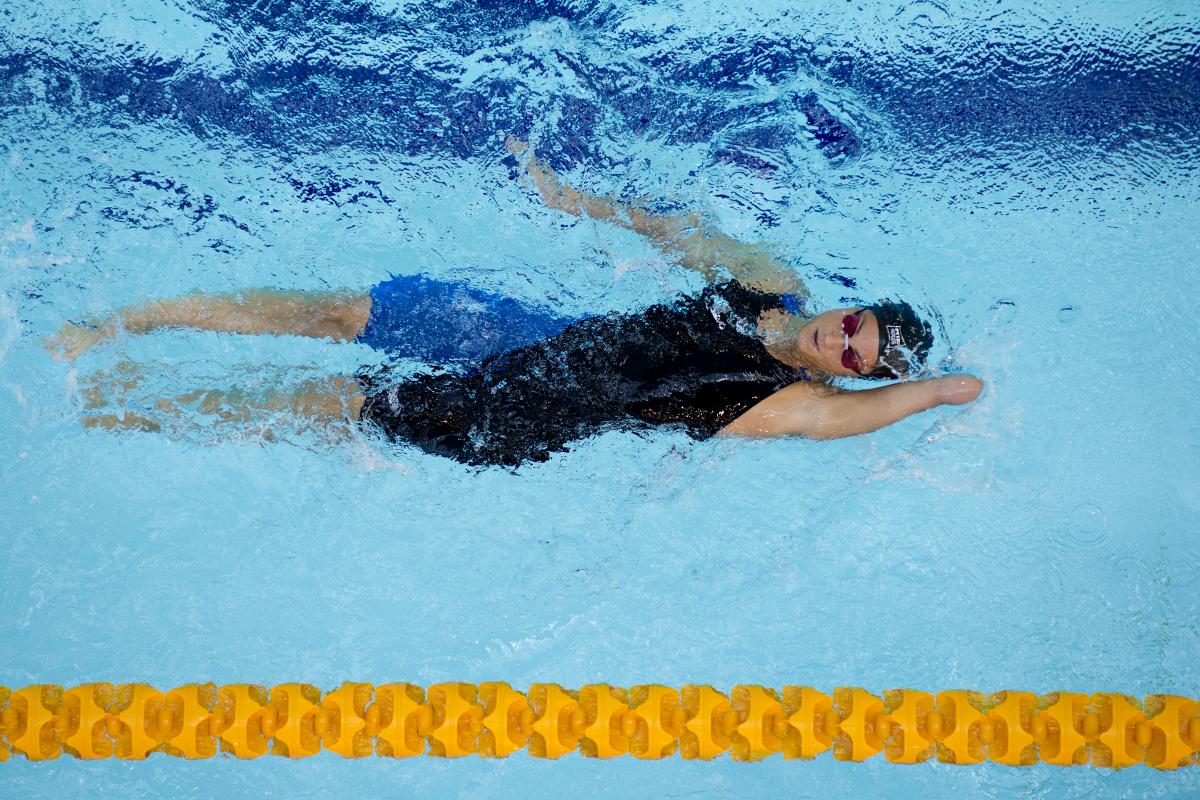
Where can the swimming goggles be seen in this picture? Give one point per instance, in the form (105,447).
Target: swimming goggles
(850,325)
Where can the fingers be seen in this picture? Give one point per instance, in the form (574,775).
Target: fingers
(545,179)
(514,145)
(527,157)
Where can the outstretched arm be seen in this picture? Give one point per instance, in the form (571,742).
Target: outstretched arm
(823,412)
(699,248)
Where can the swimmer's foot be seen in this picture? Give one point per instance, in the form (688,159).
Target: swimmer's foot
(105,387)
(124,422)
(75,338)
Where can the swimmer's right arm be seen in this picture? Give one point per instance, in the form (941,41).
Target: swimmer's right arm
(699,249)
(817,411)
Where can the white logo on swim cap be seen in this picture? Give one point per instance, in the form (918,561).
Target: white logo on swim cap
(894,339)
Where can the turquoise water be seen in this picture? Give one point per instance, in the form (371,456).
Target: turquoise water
(1030,174)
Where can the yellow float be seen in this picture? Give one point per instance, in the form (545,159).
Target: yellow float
(130,721)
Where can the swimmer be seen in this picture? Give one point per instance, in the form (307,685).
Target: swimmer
(743,357)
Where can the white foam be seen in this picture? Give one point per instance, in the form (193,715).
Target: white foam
(23,233)
(10,326)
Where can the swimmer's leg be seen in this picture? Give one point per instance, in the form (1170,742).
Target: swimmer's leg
(340,316)
(329,405)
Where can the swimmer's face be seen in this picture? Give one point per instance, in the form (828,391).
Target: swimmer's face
(823,342)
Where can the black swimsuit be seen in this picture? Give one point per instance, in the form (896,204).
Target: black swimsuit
(696,364)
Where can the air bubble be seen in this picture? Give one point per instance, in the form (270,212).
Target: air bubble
(1066,315)
(1088,525)
(1004,311)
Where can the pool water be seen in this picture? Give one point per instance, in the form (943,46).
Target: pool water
(1028,172)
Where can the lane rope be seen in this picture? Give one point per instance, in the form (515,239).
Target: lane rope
(398,720)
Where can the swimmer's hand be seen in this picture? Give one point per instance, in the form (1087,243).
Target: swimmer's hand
(957,390)
(514,145)
(75,338)
(555,194)
(699,248)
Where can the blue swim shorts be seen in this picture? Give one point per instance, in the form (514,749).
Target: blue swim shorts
(449,321)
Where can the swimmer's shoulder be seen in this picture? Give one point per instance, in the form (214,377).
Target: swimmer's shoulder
(777,413)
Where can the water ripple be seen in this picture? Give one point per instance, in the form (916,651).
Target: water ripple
(1087,528)
(305,76)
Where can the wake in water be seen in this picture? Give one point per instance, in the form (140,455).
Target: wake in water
(308,77)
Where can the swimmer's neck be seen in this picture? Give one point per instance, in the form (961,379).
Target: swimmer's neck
(780,333)
(789,354)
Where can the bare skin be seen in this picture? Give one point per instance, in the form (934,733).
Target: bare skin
(339,316)
(703,250)
(806,408)
(698,247)
(820,411)
(325,403)
(813,409)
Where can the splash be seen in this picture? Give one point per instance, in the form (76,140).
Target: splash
(10,326)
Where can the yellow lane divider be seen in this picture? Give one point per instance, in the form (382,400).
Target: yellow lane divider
(398,720)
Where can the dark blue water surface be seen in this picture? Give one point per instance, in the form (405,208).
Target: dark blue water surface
(292,84)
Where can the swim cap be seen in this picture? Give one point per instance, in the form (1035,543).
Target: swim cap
(904,339)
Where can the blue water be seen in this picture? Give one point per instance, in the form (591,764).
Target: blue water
(1030,173)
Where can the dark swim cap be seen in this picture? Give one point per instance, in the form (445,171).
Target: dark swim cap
(904,338)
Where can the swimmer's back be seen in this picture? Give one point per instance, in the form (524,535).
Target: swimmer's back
(695,364)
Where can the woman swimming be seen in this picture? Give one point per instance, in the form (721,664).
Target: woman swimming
(740,358)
